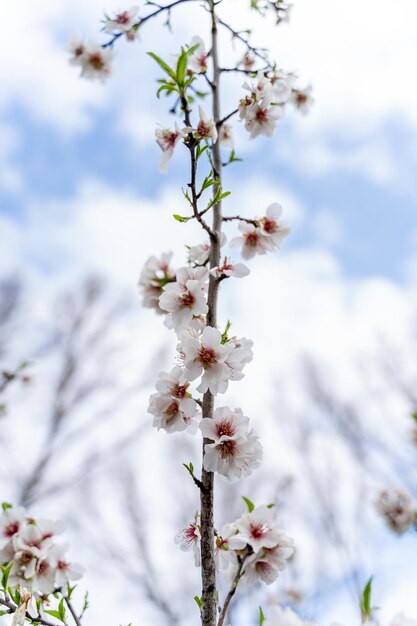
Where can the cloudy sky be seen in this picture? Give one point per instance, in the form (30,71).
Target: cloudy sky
(80,191)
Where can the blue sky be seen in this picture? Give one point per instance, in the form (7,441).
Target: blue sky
(80,191)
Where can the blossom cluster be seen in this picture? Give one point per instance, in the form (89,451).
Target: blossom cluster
(397,509)
(39,562)
(252,544)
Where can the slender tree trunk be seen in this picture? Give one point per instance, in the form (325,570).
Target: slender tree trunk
(208,571)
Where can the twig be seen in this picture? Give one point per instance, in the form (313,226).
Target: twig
(241,219)
(76,618)
(233,588)
(13,608)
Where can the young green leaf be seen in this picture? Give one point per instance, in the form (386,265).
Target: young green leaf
(181,218)
(168,70)
(249,504)
(261,616)
(199,601)
(365,603)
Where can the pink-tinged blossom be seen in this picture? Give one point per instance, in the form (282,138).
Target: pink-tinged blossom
(199,254)
(182,304)
(262,88)
(248,61)
(27,605)
(225,557)
(155,275)
(96,62)
(267,236)
(184,274)
(229,269)
(257,529)
(11,522)
(189,539)
(302,99)
(252,241)
(123,22)
(65,571)
(167,140)
(397,509)
(175,411)
(206,355)
(282,85)
(274,229)
(262,119)
(269,562)
(226,136)
(38,561)
(77,49)
(284,617)
(235,450)
(199,59)
(206,128)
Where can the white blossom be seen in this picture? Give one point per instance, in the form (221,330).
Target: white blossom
(123,22)
(172,407)
(167,140)
(199,254)
(397,509)
(252,241)
(206,128)
(207,355)
(302,99)
(235,450)
(96,61)
(262,118)
(155,275)
(27,605)
(39,562)
(237,270)
(248,61)
(182,304)
(226,136)
(266,236)
(225,556)
(274,229)
(257,529)
(198,60)
(189,539)
(76,48)
(11,521)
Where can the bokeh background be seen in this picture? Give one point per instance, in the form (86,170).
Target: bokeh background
(333,315)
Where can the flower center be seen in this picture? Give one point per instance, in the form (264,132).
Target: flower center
(179,391)
(226,428)
(62,565)
(227,448)
(262,116)
(43,568)
(96,61)
(258,530)
(11,529)
(270,226)
(252,239)
(172,409)
(207,357)
(122,18)
(187,299)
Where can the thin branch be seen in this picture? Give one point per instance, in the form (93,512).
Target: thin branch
(76,618)
(241,219)
(136,26)
(227,117)
(13,608)
(232,589)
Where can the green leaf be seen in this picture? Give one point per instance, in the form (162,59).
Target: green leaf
(270,505)
(365,603)
(189,468)
(261,616)
(414,416)
(181,218)
(6,505)
(55,614)
(168,70)
(70,590)
(225,334)
(182,66)
(5,573)
(199,601)
(249,504)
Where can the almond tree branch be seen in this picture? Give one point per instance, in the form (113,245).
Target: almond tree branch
(13,608)
(233,588)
